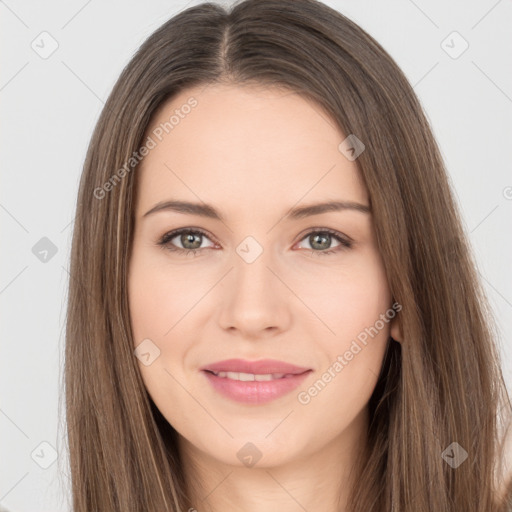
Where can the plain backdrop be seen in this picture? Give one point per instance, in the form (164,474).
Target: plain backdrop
(456,54)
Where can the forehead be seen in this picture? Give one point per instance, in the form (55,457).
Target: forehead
(247,148)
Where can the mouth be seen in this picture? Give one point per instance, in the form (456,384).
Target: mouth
(260,367)
(249,377)
(255,382)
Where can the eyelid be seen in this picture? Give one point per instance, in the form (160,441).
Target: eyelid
(167,237)
(334,232)
(345,241)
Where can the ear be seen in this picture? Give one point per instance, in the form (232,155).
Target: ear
(395,331)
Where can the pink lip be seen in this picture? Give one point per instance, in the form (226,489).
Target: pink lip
(262,367)
(255,392)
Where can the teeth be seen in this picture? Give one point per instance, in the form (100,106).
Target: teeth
(249,376)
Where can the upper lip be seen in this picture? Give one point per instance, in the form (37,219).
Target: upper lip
(261,367)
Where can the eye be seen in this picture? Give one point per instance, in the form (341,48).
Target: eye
(190,240)
(321,239)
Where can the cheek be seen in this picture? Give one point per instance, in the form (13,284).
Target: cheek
(337,397)
(347,298)
(157,302)
(160,297)
(357,311)
(351,362)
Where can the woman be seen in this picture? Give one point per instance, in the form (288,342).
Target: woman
(214,361)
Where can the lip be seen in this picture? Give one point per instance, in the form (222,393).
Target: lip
(263,366)
(255,392)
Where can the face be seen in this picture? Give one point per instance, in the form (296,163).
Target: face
(247,279)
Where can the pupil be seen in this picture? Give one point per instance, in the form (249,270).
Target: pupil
(190,238)
(317,241)
(315,238)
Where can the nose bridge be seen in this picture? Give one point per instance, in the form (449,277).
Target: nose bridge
(252,261)
(255,298)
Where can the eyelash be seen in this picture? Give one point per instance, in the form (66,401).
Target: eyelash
(164,242)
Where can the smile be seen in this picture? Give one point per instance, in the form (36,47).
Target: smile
(246,377)
(256,389)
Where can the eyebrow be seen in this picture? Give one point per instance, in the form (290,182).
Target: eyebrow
(299,212)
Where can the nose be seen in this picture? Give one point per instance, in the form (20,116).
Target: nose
(255,302)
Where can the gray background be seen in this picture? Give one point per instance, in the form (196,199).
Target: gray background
(50,105)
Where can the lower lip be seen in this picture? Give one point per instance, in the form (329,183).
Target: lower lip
(255,392)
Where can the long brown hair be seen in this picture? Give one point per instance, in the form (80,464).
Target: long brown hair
(442,385)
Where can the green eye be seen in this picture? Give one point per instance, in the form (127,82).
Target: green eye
(191,240)
(319,238)
(320,241)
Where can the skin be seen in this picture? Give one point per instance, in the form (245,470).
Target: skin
(246,150)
